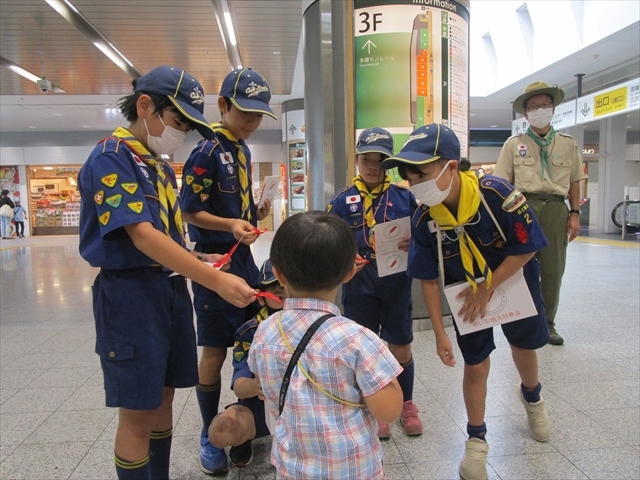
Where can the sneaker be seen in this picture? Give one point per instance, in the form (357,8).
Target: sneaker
(241,455)
(384,432)
(537,418)
(474,461)
(411,424)
(554,337)
(213,460)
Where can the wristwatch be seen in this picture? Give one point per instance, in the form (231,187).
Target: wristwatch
(201,256)
(574,211)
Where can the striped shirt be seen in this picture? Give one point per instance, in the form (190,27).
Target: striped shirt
(317,437)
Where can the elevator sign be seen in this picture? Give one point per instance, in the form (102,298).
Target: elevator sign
(612,101)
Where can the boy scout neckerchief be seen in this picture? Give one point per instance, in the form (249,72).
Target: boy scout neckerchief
(368,197)
(467,208)
(167,199)
(242,171)
(543,143)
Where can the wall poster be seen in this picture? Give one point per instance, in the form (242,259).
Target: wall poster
(297,166)
(411,66)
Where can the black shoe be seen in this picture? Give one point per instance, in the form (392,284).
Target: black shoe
(242,454)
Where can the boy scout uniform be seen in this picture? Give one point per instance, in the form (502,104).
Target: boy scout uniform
(523,236)
(546,191)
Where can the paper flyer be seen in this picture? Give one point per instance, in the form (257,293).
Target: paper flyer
(511,301)
(269,190)
(389,259)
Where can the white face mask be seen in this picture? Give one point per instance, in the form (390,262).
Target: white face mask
(429,193)
(167,143)
(540,118)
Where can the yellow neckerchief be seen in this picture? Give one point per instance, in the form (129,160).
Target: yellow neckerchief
(368,198)
(304,372)
(243,175)
(167,198)
(468,206)
(262,314)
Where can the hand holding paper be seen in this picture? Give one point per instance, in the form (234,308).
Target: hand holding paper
(269,190)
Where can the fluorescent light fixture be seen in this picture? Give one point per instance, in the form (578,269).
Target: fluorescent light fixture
(25,73)
(47,168)
(227,31)
(75,18)
(107,50)
(232,33)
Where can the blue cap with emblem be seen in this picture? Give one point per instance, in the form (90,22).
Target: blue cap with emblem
(248,91)
(427,144)
(266,274)
(376,140)
(184,91)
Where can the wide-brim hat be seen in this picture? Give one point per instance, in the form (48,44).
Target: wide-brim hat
(184,91)
(426,144)
(266,274)
(248,91)
(376,140)
(538,88)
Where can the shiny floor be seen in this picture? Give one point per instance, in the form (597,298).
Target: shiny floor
(53,423)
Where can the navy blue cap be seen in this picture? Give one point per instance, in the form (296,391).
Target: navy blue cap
(266,274)
(184,91)
(248,91)
(427,144)
(376,140)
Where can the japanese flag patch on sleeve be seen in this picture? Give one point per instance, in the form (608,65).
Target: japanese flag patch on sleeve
(353,199)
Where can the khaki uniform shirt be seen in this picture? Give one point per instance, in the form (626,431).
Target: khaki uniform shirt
(519,163)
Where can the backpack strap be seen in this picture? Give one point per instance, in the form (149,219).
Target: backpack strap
(296,356)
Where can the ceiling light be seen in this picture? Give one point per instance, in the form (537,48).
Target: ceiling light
(472,114)
(25,73)
(232,34)
(47,168)
(33,126)
(493,126)
(227,31)
(75,18)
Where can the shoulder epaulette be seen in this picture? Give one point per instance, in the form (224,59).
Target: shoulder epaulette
(344,190)
(420,212)
(110,144)
(253,323)
(208,146)
(562,134)
(497,184)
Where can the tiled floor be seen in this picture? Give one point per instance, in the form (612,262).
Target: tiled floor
(53,423)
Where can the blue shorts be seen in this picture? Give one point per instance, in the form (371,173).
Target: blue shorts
(528,333)
(383,305)
(257,408)
(218,320)
(144,335)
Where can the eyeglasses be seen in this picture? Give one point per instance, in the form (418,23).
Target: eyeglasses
(533,108)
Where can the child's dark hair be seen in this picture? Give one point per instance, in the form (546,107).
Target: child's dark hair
(314,251)
(227,101)
(405,168)
(128,105)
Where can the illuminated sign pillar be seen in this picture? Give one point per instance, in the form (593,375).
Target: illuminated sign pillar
(411,66)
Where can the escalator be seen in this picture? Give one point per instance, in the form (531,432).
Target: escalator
(632,214)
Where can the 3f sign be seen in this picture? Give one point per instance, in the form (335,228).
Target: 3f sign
(369,21)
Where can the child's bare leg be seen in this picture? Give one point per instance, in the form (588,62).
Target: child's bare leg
(232,427)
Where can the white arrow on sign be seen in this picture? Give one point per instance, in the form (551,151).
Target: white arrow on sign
(369,44)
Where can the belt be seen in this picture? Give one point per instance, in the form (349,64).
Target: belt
(545,197)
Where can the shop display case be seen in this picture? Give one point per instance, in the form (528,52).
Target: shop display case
(54,201)
(297,166)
